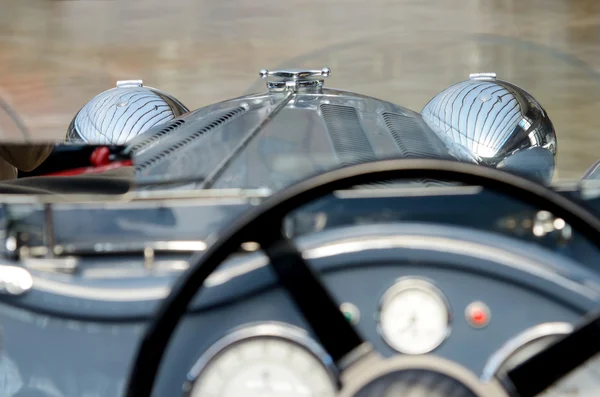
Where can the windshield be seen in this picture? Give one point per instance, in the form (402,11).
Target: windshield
(61,55)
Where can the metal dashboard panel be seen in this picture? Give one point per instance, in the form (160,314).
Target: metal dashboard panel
(95,356)
(465,207)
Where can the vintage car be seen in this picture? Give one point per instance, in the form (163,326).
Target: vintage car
(342,246)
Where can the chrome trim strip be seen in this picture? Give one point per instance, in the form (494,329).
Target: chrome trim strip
(130,247)
(158,203)
(115,247)
(111,247)
(222,276)
(97,293)
(352,245)
(66,288)
(14,280)
(65,265)
(271,330)
(159,267)
(443,244)
(135,196)
(212,177)
(408,191)
(518,342)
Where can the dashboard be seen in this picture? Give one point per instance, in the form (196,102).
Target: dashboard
(483,300)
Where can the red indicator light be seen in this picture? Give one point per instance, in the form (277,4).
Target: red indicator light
(477,314)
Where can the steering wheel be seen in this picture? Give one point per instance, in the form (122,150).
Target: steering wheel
(361,368)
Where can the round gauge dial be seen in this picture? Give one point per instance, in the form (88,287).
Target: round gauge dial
(583,382)
(266,360)
(414,317)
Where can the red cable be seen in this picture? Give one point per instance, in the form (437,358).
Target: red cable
(92,170)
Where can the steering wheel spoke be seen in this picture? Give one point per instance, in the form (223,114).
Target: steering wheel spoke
(541,371)
(314,301)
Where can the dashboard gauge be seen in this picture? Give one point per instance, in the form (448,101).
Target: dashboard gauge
(414,317)
(583,382)
(263,360)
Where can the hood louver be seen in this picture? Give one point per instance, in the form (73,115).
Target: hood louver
(211,123)
(163,131)
(347,135)
(412,139)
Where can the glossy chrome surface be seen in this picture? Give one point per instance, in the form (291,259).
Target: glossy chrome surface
(14,280)
(295,79)
(425,375)
(129,247)
(273,139)
(482,76)
(118,115)
(295,74)
(130,83)
(294,85)
(299,128)
(411,283)
(528,336)
(501,124)
(544,223)
(277,330)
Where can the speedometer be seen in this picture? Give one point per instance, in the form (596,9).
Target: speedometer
(583,382)
(263,360)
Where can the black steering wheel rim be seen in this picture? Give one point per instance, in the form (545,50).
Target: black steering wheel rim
(274,209)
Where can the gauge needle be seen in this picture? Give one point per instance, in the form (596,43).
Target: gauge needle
(411,323)
(267,382)
(270,389)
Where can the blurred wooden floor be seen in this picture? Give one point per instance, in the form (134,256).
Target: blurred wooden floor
(56,55)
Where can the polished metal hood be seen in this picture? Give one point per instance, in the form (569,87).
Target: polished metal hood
(296,129)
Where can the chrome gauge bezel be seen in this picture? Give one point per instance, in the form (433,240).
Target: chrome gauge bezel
(271,330)
(519,342)
(374,367)
(409,283)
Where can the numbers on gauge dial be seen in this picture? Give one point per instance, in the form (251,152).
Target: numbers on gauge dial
(264,367)
(414,317)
